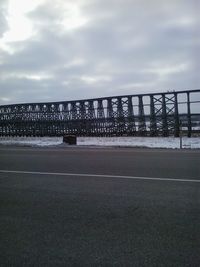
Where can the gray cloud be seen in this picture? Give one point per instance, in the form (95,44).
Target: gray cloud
(125,47)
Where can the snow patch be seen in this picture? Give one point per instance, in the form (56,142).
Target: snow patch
(149,142)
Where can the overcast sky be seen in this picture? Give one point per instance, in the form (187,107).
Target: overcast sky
(75,49)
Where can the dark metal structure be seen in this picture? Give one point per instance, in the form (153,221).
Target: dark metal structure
(158,114)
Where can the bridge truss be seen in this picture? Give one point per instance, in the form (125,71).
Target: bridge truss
(158,114)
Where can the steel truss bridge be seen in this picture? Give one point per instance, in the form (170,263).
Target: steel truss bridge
(158,114)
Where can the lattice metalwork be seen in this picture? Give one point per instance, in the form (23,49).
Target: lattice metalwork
(158,114)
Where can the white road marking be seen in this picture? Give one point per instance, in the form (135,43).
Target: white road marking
(102,176)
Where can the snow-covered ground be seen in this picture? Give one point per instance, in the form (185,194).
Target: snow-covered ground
(31,141)
(150,142)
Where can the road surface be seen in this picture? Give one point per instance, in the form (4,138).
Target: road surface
(78,206)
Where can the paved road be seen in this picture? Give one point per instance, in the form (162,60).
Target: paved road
(142,210)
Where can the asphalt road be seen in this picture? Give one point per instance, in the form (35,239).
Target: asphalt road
(99,207)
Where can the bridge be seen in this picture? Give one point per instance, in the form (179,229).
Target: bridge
(155,114)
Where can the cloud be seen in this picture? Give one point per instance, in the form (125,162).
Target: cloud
(3,22)
(92,48)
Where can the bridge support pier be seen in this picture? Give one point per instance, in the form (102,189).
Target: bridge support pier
(70,139)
